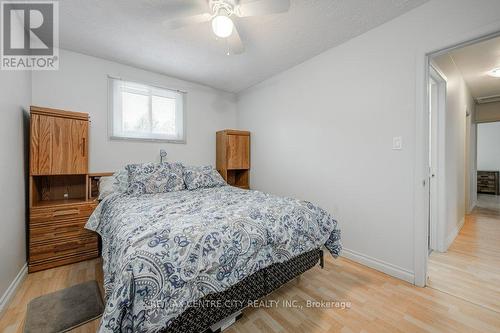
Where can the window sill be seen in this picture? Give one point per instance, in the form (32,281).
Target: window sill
(122,138)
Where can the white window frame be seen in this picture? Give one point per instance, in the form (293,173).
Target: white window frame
(112,133)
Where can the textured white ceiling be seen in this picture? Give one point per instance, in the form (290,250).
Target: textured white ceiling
(131,32)
(474,62)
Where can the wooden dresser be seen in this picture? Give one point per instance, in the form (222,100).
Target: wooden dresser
(59,202)
(487,182)
(233,157)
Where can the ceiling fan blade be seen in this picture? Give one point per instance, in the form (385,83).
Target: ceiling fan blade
(263,7)
(185,21)
(183,8)
(234,43)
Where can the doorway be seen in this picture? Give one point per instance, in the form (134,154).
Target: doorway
(488,164)
(464,143)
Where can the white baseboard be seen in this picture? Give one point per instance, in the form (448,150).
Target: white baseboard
(379,265)
(472,206)
(454,233)
(11,290)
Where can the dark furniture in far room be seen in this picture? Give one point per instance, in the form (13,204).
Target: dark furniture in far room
(487,182)
(233,157)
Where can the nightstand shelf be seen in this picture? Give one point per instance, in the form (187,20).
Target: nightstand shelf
(238,178)
(61,202)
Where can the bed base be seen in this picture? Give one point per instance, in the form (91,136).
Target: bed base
(225,323)
(252,288)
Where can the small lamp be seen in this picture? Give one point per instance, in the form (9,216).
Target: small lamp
(163,154)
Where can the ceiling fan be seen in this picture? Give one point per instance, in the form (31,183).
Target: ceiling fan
(222,13)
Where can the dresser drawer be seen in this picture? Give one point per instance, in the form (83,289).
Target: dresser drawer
(46,264)
(485,189)
(60,249)
(56,213)
(65,229)
(60,261)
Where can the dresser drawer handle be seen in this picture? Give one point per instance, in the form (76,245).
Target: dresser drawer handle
(62,231)
(66,246)
(66,212)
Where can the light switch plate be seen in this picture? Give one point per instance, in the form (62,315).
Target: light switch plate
(397,143)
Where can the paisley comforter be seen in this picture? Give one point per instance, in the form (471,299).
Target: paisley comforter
(163,252)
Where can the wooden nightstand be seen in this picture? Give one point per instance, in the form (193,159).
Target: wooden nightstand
(233,157)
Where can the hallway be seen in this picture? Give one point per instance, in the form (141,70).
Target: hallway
(471,268)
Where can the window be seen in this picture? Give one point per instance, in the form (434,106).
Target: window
(139,111)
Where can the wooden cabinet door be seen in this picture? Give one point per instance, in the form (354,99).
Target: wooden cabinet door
(238,152)
(59,146)
(41,144)
(34,143)
(69,146)
(79,147)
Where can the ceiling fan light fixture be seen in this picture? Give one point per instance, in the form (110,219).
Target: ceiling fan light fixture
(222,26)
(494,72)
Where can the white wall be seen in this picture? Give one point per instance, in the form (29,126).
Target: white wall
(323,130)
(80,84)
(15,96)
(488,146)
(458,148)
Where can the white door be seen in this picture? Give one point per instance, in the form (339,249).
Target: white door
(433,158)
(437,161)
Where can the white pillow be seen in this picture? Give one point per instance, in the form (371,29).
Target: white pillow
(106,186)
(118,183)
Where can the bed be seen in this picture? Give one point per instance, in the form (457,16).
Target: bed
(166,254)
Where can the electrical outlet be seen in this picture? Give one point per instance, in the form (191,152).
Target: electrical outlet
(397,143)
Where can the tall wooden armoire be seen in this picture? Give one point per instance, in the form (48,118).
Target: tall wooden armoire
(59,204)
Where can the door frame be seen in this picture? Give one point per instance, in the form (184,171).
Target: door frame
(472,179)
(421,171)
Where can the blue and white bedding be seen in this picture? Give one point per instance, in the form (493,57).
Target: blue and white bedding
(163,252)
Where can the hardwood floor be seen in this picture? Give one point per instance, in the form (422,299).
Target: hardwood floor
(378,303)
(470,269)
(488,201)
